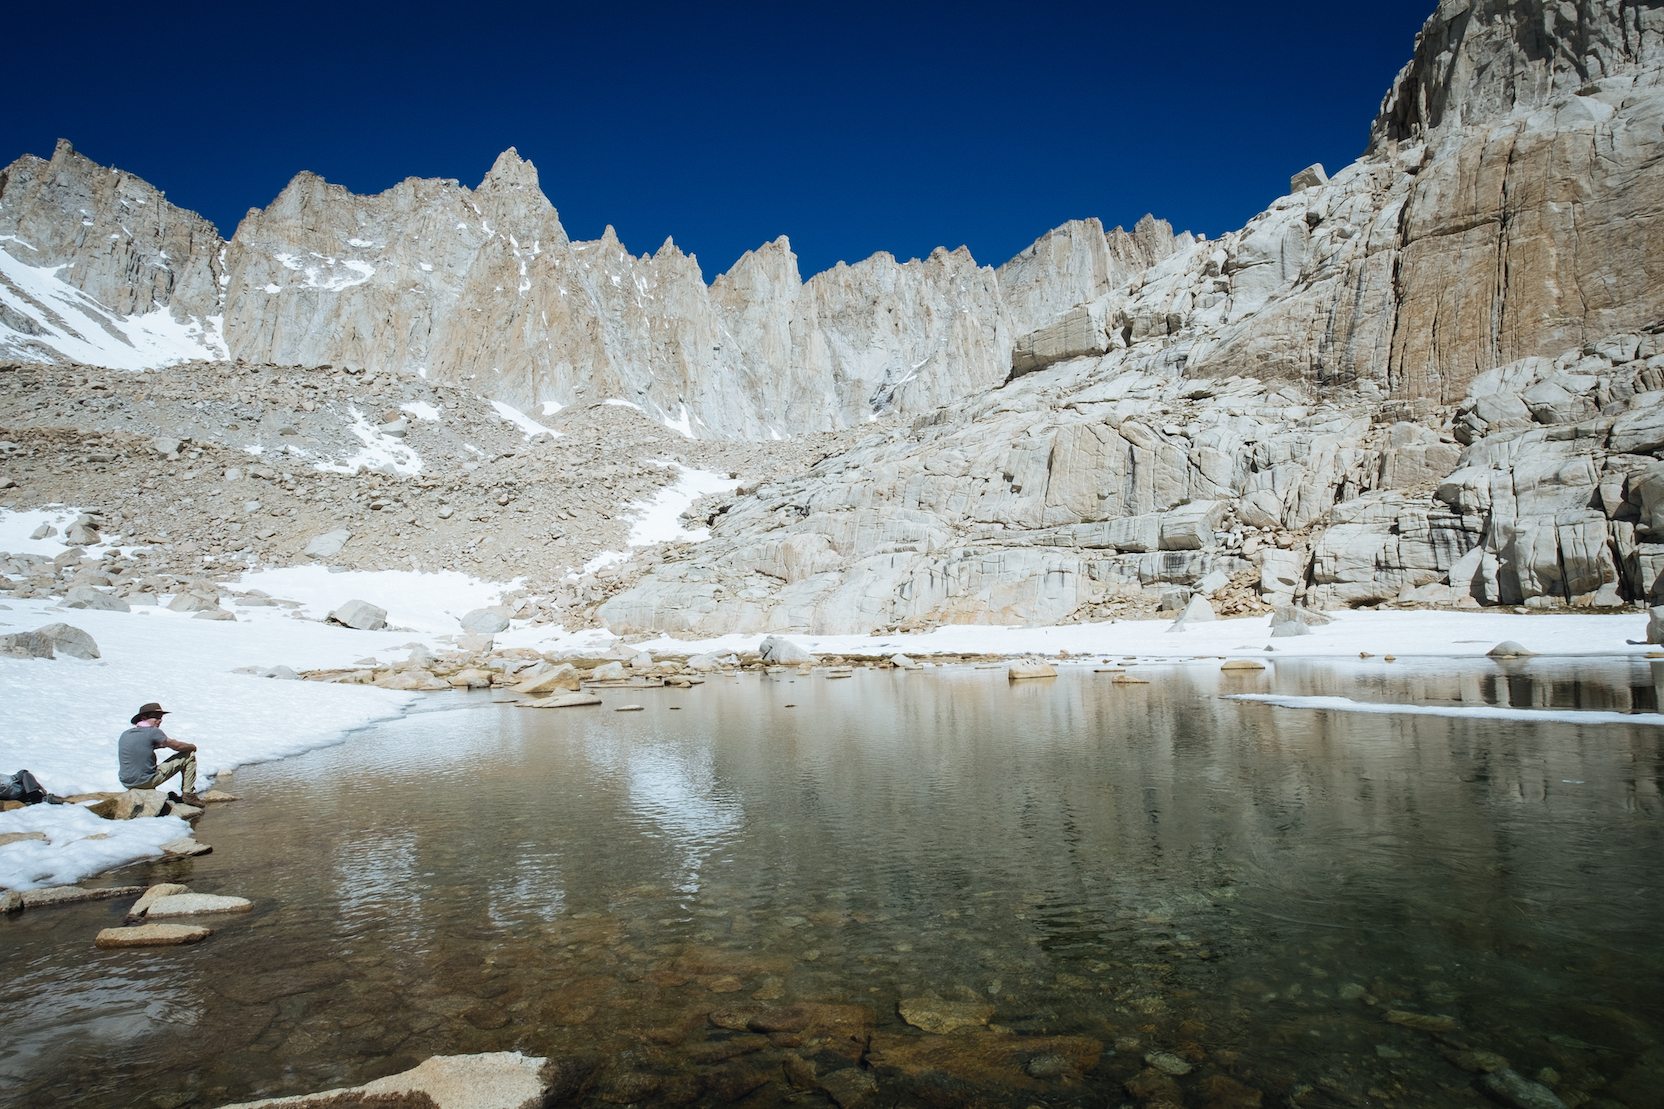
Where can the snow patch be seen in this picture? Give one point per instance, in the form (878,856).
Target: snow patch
(70,852)
(380,452)
(74,325)
(522,421)
(421,409)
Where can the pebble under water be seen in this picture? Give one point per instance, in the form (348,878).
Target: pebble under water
(1112,894)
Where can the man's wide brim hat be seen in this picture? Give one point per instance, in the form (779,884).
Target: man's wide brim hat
(152,709)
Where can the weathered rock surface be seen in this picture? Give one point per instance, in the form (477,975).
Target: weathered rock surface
(938,1016)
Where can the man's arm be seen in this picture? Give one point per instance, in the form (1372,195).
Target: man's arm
(179,745)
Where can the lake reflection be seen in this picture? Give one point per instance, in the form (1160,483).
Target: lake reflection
(1118,870)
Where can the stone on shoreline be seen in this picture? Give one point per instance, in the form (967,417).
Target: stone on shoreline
(1029,668)
(1241,664)
(1509,649)
(783,652)
(69,895)
(484,621)
(563,676)
(185,847)
(154,894)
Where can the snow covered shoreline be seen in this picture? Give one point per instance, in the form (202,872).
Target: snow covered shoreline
(65,714)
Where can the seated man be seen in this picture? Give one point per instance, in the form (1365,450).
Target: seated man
(137,750)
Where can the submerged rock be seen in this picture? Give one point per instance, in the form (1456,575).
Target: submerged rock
(935,1015)
(1509,649)
(570,700)
(492,1080)
(1513,1088)
(1030,668)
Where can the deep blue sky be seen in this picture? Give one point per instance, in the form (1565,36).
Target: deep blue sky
(851,128)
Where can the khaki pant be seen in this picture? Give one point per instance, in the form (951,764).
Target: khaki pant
(183,765)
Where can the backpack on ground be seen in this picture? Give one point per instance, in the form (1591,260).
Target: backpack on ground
(22,786)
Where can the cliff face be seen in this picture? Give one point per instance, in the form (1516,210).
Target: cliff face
(483,286)
(1436,376)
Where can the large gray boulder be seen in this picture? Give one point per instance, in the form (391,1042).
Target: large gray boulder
(783,652)
(328,544)
(484,621)
(85,596)
(25,645)
(1655,625)
(192,602)
(1190,527)
(70,640)
(361,615)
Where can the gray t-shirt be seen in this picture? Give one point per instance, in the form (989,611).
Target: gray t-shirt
(137,748)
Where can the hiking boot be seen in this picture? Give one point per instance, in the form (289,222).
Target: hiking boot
(54,799)
(193,799)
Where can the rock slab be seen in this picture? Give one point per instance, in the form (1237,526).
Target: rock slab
(153,935)
(492,1080)
(941,1017)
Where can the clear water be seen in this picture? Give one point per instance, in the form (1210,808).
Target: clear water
(1117,870)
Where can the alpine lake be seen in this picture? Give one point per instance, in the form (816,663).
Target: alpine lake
(915,888)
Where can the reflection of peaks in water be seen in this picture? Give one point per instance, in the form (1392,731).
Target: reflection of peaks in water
(1080,856)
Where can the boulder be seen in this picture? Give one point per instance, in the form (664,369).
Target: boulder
(702,663)
(485,621)
(1655,625)
(192,602)
(474,644)
(69,640)
(25,645)
(1190,527)
(1241,664)
(547,679)
(328,544)
(1288,629)
(167,448)
(185,847)
(1311,177)
(1029,668)
(1509,649)
(360,615)
(471,679)
(195,904)
(137,803)
(608,672)
(153,935)
(81,535)
(1197,610)
(783,652)
(902,662)
(215,613)
(282,673)
(85,596)
(1212,582)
